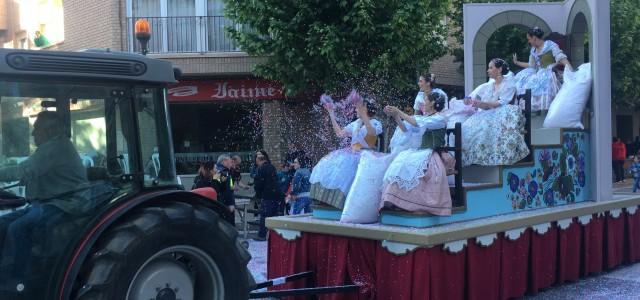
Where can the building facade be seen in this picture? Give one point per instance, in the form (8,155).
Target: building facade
(31,24)
(218,106)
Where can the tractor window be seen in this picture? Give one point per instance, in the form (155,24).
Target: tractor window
(155,141)
(66,151)
(85,122)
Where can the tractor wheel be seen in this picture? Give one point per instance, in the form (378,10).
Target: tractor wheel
(170,251)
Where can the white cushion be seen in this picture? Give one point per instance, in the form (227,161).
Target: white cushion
(363,200)
(566,109)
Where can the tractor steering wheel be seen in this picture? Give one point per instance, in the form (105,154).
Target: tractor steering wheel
(10,200)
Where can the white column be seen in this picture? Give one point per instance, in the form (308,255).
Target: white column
(601,178)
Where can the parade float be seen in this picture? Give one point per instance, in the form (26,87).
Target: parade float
(514,229)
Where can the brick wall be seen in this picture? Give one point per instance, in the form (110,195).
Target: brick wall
(273,133)
(213,64)
(283,122)
(93,24)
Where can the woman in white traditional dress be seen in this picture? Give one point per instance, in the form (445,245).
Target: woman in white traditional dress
(494,135)
(416,180)
(427,83)
(538,73)
(407,136)
(332,177)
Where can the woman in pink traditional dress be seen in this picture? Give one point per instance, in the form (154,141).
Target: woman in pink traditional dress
(416,180)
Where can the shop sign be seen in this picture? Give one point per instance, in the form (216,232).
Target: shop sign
(225,90)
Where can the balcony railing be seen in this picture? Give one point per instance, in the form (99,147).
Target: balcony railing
(185,34)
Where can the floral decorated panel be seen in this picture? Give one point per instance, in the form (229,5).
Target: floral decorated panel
(559,176)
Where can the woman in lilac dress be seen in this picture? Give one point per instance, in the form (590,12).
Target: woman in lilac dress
(538,72)
(332,177)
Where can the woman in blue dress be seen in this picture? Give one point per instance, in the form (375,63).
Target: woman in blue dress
(494,134)
(538,72)
(332,177)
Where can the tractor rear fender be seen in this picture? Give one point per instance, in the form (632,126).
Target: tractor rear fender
(69,267)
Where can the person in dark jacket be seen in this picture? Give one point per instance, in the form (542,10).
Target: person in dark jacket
(254,167)
(301,186)
(226,195)
(295,151)
(266,187)
(236,173)
(205,176)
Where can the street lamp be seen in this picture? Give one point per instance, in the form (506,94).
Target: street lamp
(143,34)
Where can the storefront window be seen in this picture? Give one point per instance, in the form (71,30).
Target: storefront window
(203,131)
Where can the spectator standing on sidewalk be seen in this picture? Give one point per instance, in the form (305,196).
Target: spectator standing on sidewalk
(223,175)
(205,178)
(619,151)
(301,186)
(236,173)
(635,172)
(295,151)
(266,186)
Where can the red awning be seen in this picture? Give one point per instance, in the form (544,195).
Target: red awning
(225,90)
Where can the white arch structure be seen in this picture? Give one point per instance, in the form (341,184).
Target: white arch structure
(575,19)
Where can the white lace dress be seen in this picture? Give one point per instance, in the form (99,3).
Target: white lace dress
(494,136)
(332,177)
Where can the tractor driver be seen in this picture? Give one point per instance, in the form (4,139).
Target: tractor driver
(54,168)
(51,172)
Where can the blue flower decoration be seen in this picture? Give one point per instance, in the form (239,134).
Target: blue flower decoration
(513,182)
(580,161)
(545,155)
(549,198)
(554,155)
(571,163)
(568,142)
(533,188)
(582,178)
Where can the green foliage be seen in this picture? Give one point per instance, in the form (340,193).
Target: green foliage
(505,42)
(332,45)
(625,42)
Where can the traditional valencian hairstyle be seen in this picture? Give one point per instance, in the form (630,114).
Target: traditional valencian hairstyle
(370,104)
(536,31)
(430,78)
(439,100)
(501,63)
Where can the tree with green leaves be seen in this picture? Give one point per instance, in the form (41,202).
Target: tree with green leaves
(625,42)
(332,45)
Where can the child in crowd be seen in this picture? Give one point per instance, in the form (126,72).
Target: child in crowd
(301,186)
(635,171)
(284,181)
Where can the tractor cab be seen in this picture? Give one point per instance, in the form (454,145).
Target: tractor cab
(90,207)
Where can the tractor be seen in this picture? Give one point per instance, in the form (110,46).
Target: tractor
(90,205)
